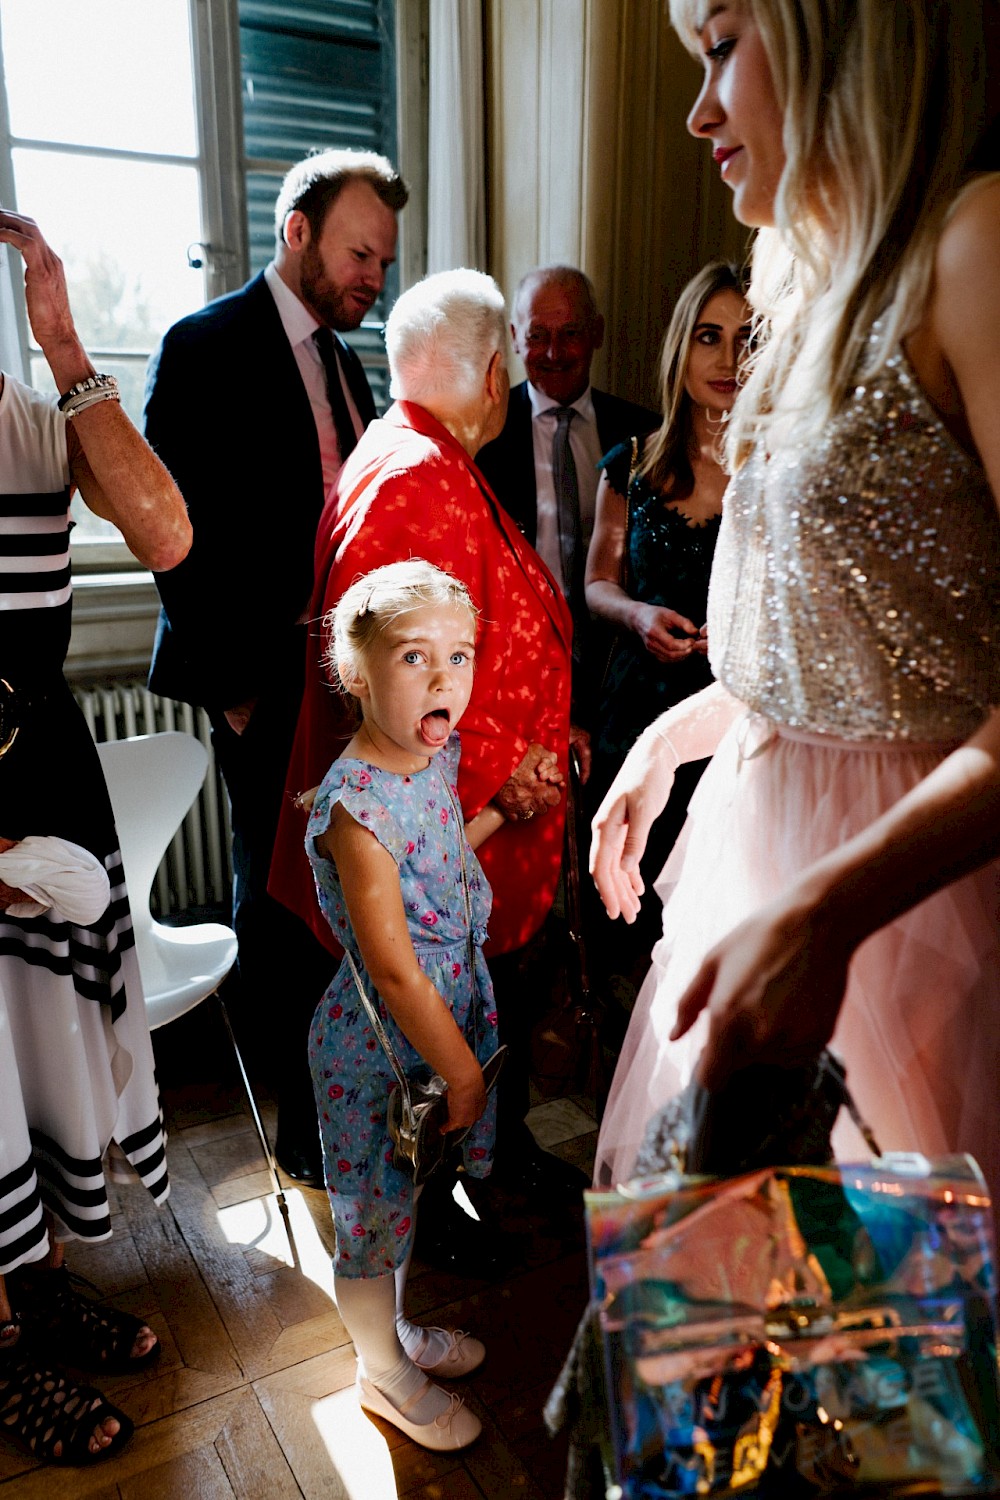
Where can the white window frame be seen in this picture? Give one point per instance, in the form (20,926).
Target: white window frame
(111,607)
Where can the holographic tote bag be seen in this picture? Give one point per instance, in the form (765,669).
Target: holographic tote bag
(800,1331)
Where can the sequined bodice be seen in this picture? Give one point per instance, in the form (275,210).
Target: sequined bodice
(856,586)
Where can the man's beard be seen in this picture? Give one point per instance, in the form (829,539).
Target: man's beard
(325,300)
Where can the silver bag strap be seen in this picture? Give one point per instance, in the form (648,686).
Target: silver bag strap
(383,1037)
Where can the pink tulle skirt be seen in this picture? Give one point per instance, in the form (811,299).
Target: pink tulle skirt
(920,1027)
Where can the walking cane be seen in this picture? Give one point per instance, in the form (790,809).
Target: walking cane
(587,1009)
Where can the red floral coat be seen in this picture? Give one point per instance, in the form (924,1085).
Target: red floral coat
(410,490)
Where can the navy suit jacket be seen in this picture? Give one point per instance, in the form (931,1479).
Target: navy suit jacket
(228,413)
(509,461)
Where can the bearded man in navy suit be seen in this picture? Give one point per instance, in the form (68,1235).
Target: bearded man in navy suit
(253,404)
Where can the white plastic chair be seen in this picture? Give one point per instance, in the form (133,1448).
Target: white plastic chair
(153,780)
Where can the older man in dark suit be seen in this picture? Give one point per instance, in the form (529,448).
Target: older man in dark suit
(254,403)
(543,467)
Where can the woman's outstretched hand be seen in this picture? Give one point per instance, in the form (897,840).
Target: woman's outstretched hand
(621,826)
(773,989)
(689,731)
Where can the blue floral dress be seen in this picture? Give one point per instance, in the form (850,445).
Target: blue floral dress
(414,818)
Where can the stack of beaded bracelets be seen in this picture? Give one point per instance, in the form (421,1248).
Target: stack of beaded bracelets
(87,393)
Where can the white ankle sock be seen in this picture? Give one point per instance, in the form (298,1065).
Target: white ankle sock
(367,1308)
(428,1345)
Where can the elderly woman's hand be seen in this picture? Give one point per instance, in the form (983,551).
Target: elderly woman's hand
(580,751)
(535,786)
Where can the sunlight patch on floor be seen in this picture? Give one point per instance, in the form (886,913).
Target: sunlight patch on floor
(357,1449)
(463,1200)
(258,1224)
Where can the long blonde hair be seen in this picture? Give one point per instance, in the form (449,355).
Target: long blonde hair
(883,103)
(666,460)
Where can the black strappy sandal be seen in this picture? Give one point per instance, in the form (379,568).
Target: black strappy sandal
(42,1410)
(73,1329)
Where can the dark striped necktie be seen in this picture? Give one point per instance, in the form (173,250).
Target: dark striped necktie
(347,438)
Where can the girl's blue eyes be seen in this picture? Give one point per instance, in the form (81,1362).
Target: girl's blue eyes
(457,658)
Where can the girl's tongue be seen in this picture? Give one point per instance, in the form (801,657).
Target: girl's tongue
(434,728)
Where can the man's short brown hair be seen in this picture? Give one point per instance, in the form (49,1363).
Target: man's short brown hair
(313,185)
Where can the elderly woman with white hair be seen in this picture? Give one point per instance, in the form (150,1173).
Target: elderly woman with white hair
(412,489)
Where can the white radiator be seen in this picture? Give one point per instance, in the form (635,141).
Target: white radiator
(196,870)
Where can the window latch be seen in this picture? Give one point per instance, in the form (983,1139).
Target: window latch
(204,257)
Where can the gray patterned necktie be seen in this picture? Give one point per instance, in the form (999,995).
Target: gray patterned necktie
(567,492)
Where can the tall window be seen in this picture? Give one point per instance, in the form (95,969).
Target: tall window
(103,153)
(148,138)
(316,73)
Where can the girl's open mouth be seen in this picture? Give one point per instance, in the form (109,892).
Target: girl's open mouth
(435,728)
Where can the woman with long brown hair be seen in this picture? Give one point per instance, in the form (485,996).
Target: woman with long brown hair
(659,504)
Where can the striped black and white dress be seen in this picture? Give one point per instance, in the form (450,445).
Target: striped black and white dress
(78,1096)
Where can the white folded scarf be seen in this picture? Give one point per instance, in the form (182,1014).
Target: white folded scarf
(58,876)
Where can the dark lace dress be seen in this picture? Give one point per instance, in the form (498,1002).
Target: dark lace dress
(667,562)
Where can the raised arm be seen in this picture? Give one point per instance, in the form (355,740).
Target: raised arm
(110,463)
(949,825)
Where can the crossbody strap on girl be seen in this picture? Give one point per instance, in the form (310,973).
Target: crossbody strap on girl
(372,1010)
(460,820)
(379,1030)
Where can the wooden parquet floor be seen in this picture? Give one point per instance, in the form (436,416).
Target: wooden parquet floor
(253,1395)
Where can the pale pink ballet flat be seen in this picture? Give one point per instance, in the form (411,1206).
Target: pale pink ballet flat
(463,1355)
(456,1427)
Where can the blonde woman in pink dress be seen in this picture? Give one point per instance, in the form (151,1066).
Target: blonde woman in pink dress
(837,878)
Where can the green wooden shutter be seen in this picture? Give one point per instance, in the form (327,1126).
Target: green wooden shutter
(316,73)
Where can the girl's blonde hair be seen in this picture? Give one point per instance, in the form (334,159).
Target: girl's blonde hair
(373,601)
(666,460)
(883,103)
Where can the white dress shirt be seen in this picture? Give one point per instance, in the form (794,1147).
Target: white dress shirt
(585,446)
(300,325)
